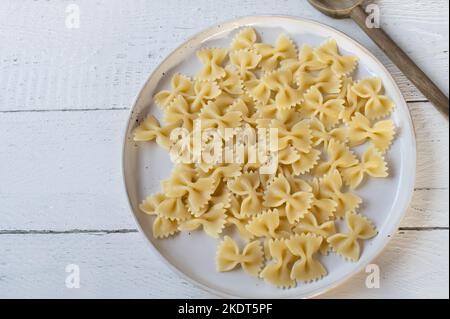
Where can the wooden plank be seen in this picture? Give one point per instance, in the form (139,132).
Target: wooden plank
(62,170)
(104,63)
(415,264)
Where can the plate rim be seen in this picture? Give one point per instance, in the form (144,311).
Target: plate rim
(240,22)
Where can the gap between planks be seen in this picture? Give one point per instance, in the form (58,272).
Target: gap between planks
(125,108)
(132,230)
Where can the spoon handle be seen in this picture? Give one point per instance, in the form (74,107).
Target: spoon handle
(403,62)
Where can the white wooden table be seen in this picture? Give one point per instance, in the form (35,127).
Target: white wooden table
(65,95)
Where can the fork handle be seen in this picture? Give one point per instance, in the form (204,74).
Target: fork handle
(403,62)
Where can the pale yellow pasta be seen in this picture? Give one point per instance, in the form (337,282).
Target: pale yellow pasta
(228,256)
(271,55)
(181,86)
(377,105)
(244,39)
(285,217)
(279,193)
(330,186)
(212,60)
(247,186)
(306,268)
(346,244)
(212,221)
(341,65)
(339,156)
(372,163)
(244,61)
(328,112)
(185,182)
(231,83)
(380,134)
(281,82)
(278,271)
(325,81)
(310,225)
(150,129)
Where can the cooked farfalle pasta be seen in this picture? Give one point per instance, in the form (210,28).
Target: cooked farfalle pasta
(340,64)
(306,268)
(331,132)
(279,193)
(181,86)
(150,129)
(281,82)
(380,134)
(278,271)
(310,225)
(346,244)
(272,55)
(372,163)
(377,105)
(247,186)
(228,256)
(328,112)
(212,60)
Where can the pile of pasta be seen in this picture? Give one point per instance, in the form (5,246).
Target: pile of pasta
(287,219)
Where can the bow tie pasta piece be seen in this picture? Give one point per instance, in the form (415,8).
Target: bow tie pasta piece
(306,62)
(319,134)
(331,187)
(205,91)
(271,56)
(298,162)
(213,221)
(328,112)
(380,134)
(339,157)
(150,129)
(184,181)
(309,224)
(244,61)
(321,207)
(173,209)
(247,186)
(279,193)
(265,224)
(347,245)
(180,111)
(164,227)
(228,256)
(258,90)
(244,39)
(377,105)
(150,204)
(341,65)
(325,81)
(231,83)
(281,82)
(216,116)
(299,135)
(372,163)
(306,268)
(212,60)
(181,86)
(278,272)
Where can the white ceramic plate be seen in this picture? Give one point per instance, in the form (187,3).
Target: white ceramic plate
(193,255)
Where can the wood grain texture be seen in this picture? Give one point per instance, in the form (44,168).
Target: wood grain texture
(63,170)
(110,269)
(104,63)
